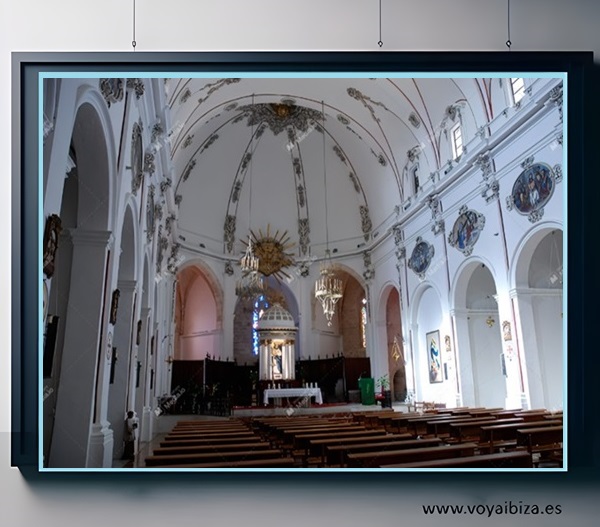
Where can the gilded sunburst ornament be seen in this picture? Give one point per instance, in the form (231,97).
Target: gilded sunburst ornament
(272,252)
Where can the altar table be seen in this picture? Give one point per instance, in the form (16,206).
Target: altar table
(278,393)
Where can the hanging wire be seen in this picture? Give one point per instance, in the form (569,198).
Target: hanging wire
(133,42)
(325,180)
(508,42)
(251,171)
(380,43)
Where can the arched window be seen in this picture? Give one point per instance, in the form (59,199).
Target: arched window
(260,305)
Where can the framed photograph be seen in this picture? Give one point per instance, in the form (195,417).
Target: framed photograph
(434,357)
(403,142)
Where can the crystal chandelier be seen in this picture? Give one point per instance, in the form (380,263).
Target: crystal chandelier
(328,288)
(250,285)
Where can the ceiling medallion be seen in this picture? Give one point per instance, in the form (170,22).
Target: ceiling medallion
(271,251)
(280,116)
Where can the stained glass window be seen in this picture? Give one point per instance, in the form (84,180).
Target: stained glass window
(259,308)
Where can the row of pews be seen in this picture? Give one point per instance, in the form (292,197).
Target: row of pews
(438,438)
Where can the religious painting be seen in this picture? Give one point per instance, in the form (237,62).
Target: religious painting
(466,230)
(506,330)
(533,188)
(434,357)
(45,302)
(114,306)
(421,257)
(51,232)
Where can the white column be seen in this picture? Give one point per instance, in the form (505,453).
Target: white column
(464,365)
(264,362)
(143,409)
(289,364)
(229,302)
(118,404)
(514,389)
(457,361)
(308,339)
(526,355)
(72,445)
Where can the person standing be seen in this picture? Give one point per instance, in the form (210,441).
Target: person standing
(131,425)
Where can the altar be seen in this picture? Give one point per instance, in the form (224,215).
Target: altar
(304,394)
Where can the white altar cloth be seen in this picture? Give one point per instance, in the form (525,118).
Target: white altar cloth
(293,392)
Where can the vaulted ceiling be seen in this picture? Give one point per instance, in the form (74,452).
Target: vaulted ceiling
(251,153)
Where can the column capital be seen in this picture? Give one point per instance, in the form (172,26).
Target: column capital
(529,291)
(82,237)
(127,286)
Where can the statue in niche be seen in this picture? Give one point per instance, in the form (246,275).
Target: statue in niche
(276,360)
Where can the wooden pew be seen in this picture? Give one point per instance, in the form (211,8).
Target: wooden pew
(287,435)
(441,427)
(484,412)
(371,420)
(211,457)
(418,426)
(498,436)
(212,435)
(518,459)
(334,448)
(466,430)
(318,447)
(280,462)
(390,420)
(339,453)
(208,441)
(201,449)
(376,459)
(302,441)
(283,434)
(531,415)
(540,440)
(184,431)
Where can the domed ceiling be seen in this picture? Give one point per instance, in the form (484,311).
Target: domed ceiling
(267,154)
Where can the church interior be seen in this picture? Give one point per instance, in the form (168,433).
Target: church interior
(292,272)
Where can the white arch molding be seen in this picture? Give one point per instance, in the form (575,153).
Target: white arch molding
(80,436)
(540,323)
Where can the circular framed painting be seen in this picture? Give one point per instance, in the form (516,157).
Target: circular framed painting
(421,256)
(533,188)
(466,230)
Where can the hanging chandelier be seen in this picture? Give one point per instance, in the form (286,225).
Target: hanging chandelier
(328,288)
(251,285)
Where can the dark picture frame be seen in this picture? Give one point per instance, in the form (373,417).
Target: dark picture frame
(51,233)
(26,188)
(434,357)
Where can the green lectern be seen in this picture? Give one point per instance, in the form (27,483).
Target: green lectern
(367,390)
